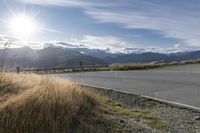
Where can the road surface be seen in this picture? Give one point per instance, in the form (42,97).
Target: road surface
(181,84)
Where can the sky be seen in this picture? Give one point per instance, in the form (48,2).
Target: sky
(161,25)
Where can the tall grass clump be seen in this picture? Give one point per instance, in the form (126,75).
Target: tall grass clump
(41,104)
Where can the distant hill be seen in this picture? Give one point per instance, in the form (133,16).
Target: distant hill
(51,57)
(47,58)
(149,57)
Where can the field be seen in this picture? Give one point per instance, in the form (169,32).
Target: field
(30,103)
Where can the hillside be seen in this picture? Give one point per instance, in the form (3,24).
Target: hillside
(46,58)
(52,57)
(149,57)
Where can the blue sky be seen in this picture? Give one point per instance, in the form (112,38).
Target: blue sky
(116,24)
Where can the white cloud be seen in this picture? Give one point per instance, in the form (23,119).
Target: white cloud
(111,43)
(173,26)
(52,30)
(17,42)
(78,3)
(174,19)
(108,43)
(177,45)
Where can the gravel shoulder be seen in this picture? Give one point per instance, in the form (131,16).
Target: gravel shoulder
(179,119)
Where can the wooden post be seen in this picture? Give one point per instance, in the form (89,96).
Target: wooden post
(17,69)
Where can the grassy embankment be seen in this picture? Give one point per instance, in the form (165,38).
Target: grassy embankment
(32,103)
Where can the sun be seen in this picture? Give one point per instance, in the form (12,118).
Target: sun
(23,25)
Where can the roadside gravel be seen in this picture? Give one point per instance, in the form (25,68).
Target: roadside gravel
(180,119)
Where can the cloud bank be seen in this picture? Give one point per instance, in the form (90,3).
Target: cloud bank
(108,44)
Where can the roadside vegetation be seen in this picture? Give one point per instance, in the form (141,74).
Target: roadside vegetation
(30,103)
(126,67)
(151,65)
(112,67)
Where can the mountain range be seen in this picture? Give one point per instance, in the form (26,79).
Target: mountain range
(51,57)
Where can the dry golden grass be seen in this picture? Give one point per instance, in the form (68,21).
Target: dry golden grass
(126,67)
(40,104)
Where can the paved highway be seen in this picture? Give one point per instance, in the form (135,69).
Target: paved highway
(181,84)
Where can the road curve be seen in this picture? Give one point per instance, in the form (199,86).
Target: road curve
(182,86)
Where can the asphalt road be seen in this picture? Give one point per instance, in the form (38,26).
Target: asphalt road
(180,85)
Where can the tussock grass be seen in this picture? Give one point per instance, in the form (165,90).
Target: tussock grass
(126,67)
(11,84)
(40,104)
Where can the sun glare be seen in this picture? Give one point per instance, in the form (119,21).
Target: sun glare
(23,26)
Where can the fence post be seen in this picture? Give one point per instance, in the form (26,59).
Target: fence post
(17,69)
